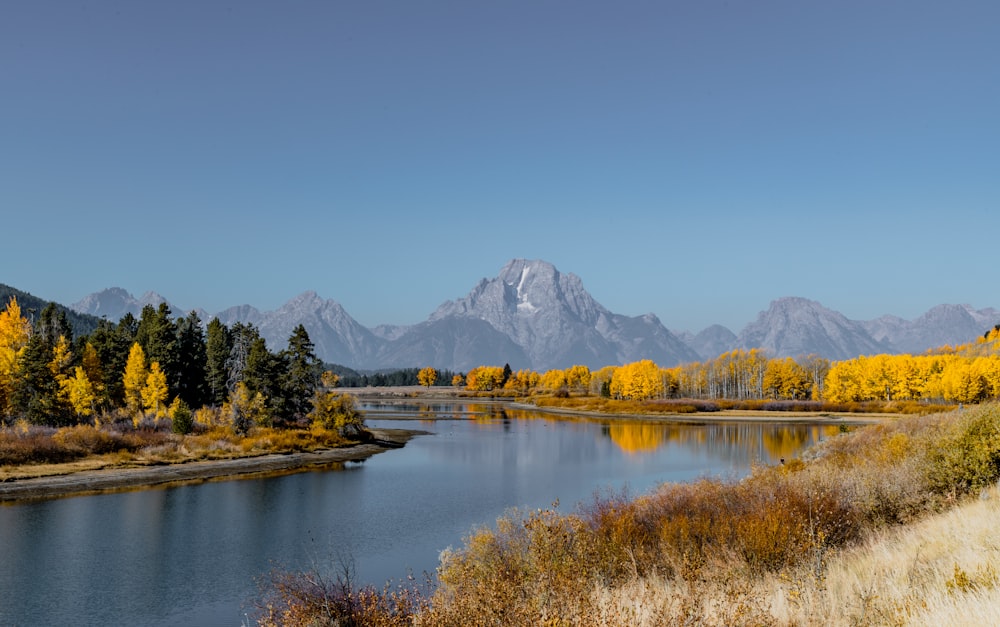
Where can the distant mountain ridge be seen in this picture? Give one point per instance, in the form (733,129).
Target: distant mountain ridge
(531,315)
(31,306)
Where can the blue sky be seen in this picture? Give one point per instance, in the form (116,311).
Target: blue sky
(691,159)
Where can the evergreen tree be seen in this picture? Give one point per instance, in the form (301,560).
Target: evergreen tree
(112,346)
(302,373)
(36,392)
(218,346)
(192,361)
(53,324)
(157,335)
(264,374)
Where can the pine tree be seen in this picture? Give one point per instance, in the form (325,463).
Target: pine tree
(192,361)
(302,373)
(157,334)
(36,392)
(218,346)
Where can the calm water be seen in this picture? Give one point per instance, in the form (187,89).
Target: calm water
(192,555)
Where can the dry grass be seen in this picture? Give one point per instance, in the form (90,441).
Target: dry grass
(29,451)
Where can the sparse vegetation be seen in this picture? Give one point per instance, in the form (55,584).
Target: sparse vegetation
(30,451)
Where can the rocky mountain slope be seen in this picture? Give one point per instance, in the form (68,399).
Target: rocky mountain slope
(531,315)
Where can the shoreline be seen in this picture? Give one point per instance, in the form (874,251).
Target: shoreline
(162,475)
(404,394)
(96,481)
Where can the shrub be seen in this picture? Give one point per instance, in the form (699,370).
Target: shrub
(966,457)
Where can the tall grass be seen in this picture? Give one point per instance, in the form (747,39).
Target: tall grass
(24,445)
(818,540)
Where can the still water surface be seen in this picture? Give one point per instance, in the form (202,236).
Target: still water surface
(192,554)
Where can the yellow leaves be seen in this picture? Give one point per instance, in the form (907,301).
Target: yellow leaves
(484,378)
(637,381)
(154,392)
(329,379)
(427,377)
(145,389)
(134,378)
(14,328)
(79,391)
(949,377)
(246,408)
(14,333)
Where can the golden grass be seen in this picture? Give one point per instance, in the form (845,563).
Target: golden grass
(35,452)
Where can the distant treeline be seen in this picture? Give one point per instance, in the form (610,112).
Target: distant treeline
(350,378)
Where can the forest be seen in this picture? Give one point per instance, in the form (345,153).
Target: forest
(160,367)
(969,373)
(157,367)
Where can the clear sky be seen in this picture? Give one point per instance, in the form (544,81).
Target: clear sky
(691,159)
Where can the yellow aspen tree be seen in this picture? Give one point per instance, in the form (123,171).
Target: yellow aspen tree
(154,392)
(14,333)
(60,366)
(91,363)
(554,380)
(427,377)
(329,379)
(79,392)
(457,380)
(578,378)
(134,378)
(600,381)
(246,409)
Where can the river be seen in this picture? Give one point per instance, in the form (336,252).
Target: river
(194,554)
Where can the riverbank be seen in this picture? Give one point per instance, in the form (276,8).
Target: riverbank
(399,394)
(90,481)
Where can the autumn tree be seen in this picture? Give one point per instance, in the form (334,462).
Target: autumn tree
(245,409)
(637,381)
(337,412)
(133,380)
(80,393)
(427,376)
(15,330)
(484,378)
(578,378)
(154,391)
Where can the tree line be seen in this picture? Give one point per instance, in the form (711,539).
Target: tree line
(968,373)
(154,367)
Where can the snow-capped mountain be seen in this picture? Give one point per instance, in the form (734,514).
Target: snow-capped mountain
(531,315)
(557,323)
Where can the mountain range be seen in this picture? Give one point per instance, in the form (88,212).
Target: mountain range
(531,315)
